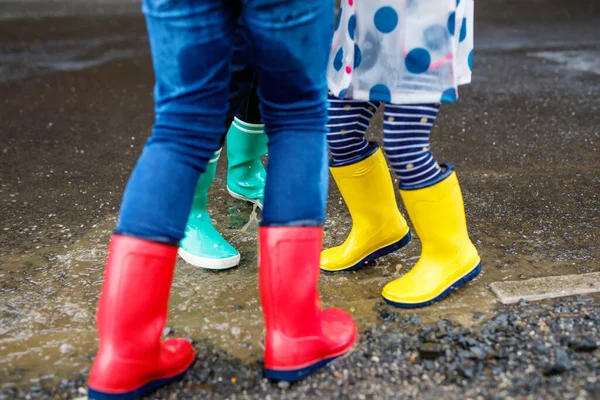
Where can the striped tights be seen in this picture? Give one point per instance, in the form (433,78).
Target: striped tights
(406,132)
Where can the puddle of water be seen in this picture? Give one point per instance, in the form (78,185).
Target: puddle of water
(65,55)
(580,60)
(48,302)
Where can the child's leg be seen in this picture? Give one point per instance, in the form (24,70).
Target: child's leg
(203,246)
(292,40)
(363,178)
(243,100)
(348,124)
(434,203)
(406,143)
(249,109)
(246,139)
(192,85)
(191,45)
(246,144)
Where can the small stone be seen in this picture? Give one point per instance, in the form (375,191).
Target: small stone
(463,354)
(283,385)
(479,353)
(168,331)
(387,315)
(466,368)
(583,345)
(431,351)
(66,348)
(375,359)
(561,363)
(501,319)
(542,348)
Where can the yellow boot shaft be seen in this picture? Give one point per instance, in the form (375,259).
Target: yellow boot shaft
(378,228)
(448,257)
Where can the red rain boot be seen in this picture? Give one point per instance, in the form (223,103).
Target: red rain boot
(132,312)
(300,337)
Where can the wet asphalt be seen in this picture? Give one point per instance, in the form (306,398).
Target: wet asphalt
(76,106)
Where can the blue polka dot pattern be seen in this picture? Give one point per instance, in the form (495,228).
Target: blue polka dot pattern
(471,60)
(339,20)
(449,96)
(357,56)
(463,30)
(380,93)
(452,23)
(338,59)
(342,94)
(351,26)
(417,61)
(435,37)
(435,56)
(386,19)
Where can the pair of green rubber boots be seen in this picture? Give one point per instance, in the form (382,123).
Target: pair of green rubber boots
(203,246)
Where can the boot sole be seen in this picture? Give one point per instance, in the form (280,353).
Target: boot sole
(209,263)
(373,256)
(298,374)
(461,282)
(244,198)
(139,392)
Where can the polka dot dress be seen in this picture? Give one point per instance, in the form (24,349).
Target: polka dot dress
(402,51)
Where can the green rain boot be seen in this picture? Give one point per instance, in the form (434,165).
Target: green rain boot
(203,246)
(246,175)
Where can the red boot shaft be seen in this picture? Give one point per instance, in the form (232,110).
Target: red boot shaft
(131,317)
(300,337)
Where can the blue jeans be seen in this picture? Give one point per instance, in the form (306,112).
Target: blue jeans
(192,45)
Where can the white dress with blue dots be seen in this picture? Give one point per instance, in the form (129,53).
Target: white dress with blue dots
(402,51)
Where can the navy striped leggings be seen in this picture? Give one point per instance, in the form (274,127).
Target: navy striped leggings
(406,132)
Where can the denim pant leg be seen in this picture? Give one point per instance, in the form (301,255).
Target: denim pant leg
(191,43)
(291,41)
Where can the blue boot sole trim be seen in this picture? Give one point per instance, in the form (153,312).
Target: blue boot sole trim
(375,255)
(139,392)
(462,281)
(297,374)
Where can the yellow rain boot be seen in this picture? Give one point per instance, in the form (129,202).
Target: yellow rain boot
(378,228)
(448,257)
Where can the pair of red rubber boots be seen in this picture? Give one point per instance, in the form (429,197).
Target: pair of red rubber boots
(132,360)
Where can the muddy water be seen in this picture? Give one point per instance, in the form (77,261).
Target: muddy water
(47,317)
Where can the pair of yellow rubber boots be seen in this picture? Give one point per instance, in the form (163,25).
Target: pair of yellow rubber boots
(448,257)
